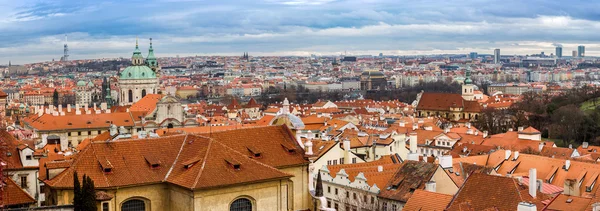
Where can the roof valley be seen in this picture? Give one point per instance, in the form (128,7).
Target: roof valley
(210,143)
(176,158)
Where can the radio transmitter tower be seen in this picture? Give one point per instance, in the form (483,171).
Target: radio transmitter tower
(66,51)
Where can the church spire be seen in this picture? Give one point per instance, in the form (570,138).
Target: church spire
(468,76)
(137,58)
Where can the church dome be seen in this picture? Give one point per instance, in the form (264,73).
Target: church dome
(137,72)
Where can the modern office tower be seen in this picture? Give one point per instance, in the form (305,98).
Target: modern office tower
(473,55)
(574,54)
(558,51)
(496,56)
(581,51)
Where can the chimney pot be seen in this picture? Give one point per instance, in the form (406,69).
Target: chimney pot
(379,168)
(507,154)
(533,182)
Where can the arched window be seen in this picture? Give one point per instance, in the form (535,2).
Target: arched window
(133,205)
(129,74)
(241,204)
(143,74)
(143,92)
(130,96)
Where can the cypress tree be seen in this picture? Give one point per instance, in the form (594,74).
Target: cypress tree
(88,195)
(76,193)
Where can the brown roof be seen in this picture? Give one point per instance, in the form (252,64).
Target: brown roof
(411,176)
(112,164)
(14,195)
(445,101)
(426,200)
(565,202)
(274,143)
(482,191)
(147,104)
(48,122)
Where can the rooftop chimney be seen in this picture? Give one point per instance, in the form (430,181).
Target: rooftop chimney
(468,124)
(507,154)
(430,186)
(69,108)
(585,145)
(533,182)
(413,142)
(567,164)
(516,155)
(346,151)
(541,146)
(379,168)
(570,146)
(446,161)
(308,147)
(520,129)
(526,206)
(446,130)
(402,123)
(415,126)
(470,131)
(485,134)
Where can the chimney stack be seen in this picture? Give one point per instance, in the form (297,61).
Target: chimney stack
(520,129)
(533,182)
(516,155)
(446,129)
(526,206)
(430,186)
(308,146)
(69,108)
(541,146)
(485,134)
(446,161)
(415,126)
(585,145)
(567,164)
(507,154)
(402,123)
(413,142)
(346,151)
(379,168)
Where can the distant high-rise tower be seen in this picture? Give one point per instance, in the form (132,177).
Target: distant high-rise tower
(581,51)
(473,55)
(558,51)
(66,51)
(574,54)
(496,56)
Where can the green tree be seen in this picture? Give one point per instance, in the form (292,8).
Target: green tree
(84,198)
(55,98)
(76,192)
(566,123)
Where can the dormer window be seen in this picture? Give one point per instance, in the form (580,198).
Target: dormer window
(255,152)
(105,165)
(233,163)
(152,161)
(289,148)
(189,163)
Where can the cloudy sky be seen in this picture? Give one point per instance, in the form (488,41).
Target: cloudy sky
(33,30)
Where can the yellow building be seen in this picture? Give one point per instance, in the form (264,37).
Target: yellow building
(250,169)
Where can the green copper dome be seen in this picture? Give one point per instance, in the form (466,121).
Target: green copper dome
(137,72)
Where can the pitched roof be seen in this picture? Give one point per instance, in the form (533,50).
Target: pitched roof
(566,202)
(445,101)
(147,104)
(505,194)
(277,144)
(411,176)
(427,200)
(48,122)
(190,161)
(14,195)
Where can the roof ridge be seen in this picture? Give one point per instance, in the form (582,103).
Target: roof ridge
(210,142)
(176,158)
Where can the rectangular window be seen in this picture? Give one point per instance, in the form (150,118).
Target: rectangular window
(79,133)
(353,160)
(336,191)
(23,181)
(336,206)
(328,203)
(328,189)
(105,206)
(335,162)
(28,157)
(384,206)
(341,160)
(347,194)
(354,196)
(394,207)
(99,131)
(365,198)
(69,133)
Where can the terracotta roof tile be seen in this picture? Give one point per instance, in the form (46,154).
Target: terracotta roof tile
(426,200)
(14,195)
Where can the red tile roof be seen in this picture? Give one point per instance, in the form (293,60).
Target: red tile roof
(505,194)
(14,195)
(427,200)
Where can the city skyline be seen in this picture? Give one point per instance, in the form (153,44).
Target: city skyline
(34,31)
